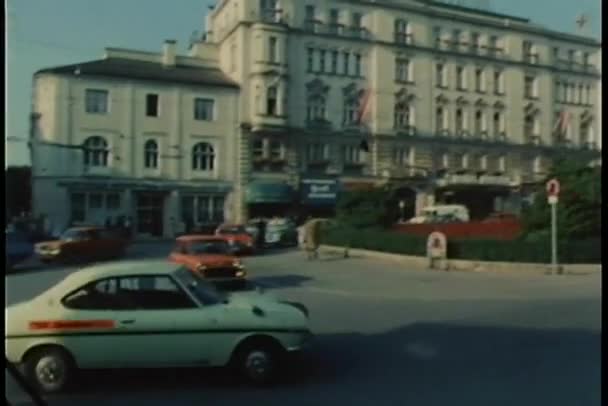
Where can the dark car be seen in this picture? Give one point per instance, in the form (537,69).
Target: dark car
(18,248)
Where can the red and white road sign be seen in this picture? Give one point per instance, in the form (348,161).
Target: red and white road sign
(553,187)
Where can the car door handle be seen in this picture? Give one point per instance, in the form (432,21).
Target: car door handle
(132,321)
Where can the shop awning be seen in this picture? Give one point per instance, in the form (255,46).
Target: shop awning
(267,192)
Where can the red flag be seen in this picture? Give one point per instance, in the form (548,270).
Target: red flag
(364,106)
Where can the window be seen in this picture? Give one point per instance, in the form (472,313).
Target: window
(502,164)
(357,65)
(529,51)
(580,97)
(310,61)
(203,109)
(96,152)
(154,292)
(479,80)
(456,34)
(322,61)
(316,108)
(357,20)
(401,156)
(479,122)
(99,295)
(276,150)
(483,163)
(460,121)
(437,36)
(203,209)
(351,154)
(588,95)
(309,22)
(571,58)
(346,56)
(555,54)
(151,154)
(461,78)
(530,86)
(113,201)
(96,101)
(464,161)
(258,148)
(268,8)
(351,109)
(440,75)
(334,62)
(497,123)
(271,101)
(334,22)
(203,157)
(152,105)
(218,209)
(529,126)
(77,207)
(403,117)
(402,70)
(440,119)
(316,152)
(498,82)
(402,32)
(475,41)
(586,59)
(558,90)
(493,45)
(96,201)
(272,49)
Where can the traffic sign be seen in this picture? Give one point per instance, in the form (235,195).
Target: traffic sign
(553,187)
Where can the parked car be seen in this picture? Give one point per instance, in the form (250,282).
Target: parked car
(238,237)
(83,244)
(210,256)
(18,248)
(149,314)
(443,213)
(281,232)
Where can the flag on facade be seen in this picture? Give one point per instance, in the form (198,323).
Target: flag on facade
(562,122)
(364,106)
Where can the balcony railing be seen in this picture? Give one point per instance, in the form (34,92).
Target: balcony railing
(271,15)
(405,129)
(531,58)
(404,38)
(532,139)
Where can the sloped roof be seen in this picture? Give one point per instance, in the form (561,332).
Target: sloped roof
(142,70)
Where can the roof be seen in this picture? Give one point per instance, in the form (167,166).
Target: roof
(141,70)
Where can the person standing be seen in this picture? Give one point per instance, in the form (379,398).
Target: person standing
(311,238)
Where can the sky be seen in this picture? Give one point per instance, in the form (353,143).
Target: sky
(46,33)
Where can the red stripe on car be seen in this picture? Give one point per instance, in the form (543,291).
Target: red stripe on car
(70,324)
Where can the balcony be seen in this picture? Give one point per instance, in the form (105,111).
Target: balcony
(314,26)
(353,168)
(356,32)
(318,124)
(272,16)
(403,38)
(532,139)
(405,130)
(531,58)
(473,179)
(260,122)
(335,29)
(500,137)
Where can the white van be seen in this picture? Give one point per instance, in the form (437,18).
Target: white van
(438,213)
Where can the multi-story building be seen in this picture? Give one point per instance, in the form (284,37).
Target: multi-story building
(440,101)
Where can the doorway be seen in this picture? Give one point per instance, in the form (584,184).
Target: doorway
(150,213)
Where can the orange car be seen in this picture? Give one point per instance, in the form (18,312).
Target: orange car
(82,244)
(237,236)
(210,256)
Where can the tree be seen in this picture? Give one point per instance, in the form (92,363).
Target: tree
(579,207)
(365,208)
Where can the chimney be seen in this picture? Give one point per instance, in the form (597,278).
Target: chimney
(169,52)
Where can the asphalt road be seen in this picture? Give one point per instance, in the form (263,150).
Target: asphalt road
(390,336)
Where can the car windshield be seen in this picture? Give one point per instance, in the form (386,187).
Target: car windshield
(209,247)
(204,291)
(73,235)
(232,230)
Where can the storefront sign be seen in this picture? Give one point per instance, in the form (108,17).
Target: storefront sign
(319,191)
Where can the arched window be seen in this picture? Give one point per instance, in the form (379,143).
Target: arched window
(203,157)
(96,151)
(151,154)
(403,115)
(479,122)
(440,119)
(271,101)
(459,120)
(351,110)
(316,108)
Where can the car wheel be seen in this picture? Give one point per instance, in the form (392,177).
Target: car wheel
(49,369)
(258,363)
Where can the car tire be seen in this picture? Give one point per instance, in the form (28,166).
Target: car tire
(49,369)
(258,362)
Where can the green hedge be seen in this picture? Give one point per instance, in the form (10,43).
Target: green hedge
(580,251)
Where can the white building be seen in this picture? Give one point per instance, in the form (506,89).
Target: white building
(459,105)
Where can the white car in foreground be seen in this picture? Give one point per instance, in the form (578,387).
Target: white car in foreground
(149,314)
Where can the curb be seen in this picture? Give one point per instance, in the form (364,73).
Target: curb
(469,265)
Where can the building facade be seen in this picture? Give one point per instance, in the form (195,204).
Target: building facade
(441,102)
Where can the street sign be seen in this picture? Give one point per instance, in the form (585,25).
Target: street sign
(553,187)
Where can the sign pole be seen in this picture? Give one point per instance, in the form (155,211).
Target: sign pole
(554,237)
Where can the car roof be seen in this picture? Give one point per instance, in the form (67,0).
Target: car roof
(122,268)
(192,237)
(82,228)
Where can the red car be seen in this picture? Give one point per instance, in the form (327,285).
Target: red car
(237,236)
(210,256)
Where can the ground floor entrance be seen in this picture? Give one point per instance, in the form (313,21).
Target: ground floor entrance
(149,208)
